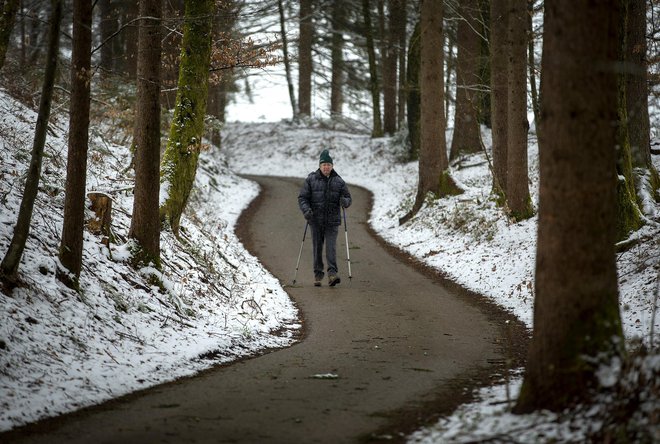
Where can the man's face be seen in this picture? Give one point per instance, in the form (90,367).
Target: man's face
(326,168)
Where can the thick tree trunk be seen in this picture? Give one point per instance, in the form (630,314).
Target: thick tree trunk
(517,188)
(179,164)
(305,58)
(499,56)
(337,79)
(413,99)
(466,138)
(577,325)
(9,265)
(433,161)
(145,224)
(377,130)
(7,19)
(433,155)
(71,246)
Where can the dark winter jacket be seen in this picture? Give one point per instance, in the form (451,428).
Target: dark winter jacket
(323,196)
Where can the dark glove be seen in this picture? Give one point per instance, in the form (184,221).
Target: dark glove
(309,215)
(345,202)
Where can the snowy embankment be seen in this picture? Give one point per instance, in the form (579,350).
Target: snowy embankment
(61,350)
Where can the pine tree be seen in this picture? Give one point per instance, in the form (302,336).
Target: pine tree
(179,164)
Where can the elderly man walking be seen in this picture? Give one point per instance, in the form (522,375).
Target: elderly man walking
(321,197)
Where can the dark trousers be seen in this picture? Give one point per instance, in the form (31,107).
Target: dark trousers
(327,235)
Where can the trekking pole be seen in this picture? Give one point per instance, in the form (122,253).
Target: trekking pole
(300,253)
(348,255)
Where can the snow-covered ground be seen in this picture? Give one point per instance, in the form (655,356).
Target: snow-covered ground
(60,350)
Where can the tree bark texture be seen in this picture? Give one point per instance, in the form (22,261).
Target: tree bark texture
(637,92)
(576,313)
(390,59)
(629,216)
(305,58)
(7,19)
(400,20)
(377,130)
(337,54)
(413,96)
(433,161)
(499,92)
(71,246)
(287,64)
(432,156)
(145,224)
(131,38)
(517,188)
(107,26)
(179,164)
(484,64)
(9,265)
(466,138)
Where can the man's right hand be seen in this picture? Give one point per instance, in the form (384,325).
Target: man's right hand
(309,215)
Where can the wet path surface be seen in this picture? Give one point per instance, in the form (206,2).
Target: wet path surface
(394,338)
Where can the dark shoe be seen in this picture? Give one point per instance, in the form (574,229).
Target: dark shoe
(317,282)
(333,280)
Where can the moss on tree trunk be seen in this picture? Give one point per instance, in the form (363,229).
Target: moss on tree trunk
(179,163)
(628,214)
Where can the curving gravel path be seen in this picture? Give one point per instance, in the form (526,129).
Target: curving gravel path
(394,343)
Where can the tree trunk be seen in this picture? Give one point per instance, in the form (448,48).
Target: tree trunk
(433,162)
(287,65)
(171,51)
(400,20)
(499,56)
(433,158)
(336,81)
(377,130)
(305,58)
(517,188)
(145,223)
(577,325)
(107,26)
(413,100)
(484,64)
(7,19)
(9,265)
(71,246)
(532,68)
(637,93)
(131,38)
(629,215)
(179,164)
(389,70)
(466,138)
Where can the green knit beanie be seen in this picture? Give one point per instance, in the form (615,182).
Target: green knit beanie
(325,157)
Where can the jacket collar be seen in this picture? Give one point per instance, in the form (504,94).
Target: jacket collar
(333,173)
